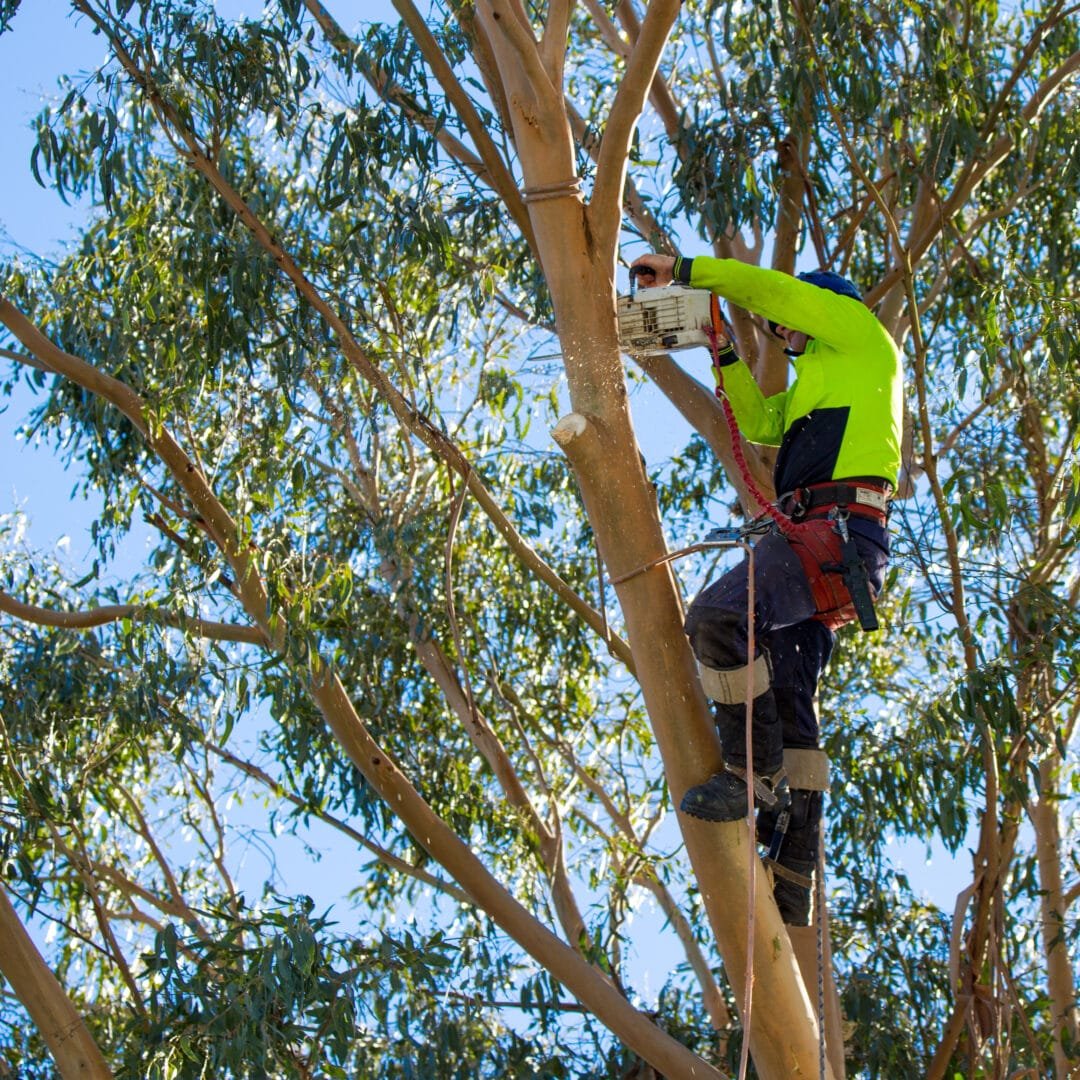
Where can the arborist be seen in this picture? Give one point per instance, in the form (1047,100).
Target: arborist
(838,429)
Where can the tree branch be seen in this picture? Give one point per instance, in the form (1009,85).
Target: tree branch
(218,523)
(40,993)
(553,44)
(605,206)
(109,613)
(647,878)
(513,23)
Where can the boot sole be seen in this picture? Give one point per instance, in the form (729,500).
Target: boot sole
(704,815)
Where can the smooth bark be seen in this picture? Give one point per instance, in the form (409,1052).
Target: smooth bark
(37,988)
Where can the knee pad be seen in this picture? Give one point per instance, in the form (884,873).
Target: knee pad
(717,636)
(731,686)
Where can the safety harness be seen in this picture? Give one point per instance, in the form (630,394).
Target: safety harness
(813,519)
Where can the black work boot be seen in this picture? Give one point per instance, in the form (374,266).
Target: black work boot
(723,796)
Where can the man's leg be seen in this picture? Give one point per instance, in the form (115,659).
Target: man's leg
(723,796)
(717,627)
(799,654)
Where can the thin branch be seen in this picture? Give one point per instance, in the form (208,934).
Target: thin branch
(962,425)
(606,202)
(451,609)
(387,858)
(101,616)
(217,850)
(79,861)
(712,998)
(142,827)
(129,887)
(28,360)
(647,878)
(609,32)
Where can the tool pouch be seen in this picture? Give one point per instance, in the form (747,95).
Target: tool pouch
(835,573)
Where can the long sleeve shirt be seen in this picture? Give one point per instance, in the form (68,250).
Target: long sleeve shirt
(842,416)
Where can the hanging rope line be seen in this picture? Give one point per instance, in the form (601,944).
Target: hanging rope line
(751,877)
(819,920)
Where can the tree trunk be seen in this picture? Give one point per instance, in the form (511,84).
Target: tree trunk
(73,1049)
(804,942)
(1061,979)
(576,245)
(622,510)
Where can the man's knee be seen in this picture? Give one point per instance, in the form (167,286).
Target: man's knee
(717,636)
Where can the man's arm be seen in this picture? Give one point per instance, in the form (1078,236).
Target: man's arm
(761,419)
(839,321)
(836,320)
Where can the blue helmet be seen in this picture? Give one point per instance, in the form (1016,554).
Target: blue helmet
(826,279)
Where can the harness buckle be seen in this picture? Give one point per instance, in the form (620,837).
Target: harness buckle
(796,503)
(840,515)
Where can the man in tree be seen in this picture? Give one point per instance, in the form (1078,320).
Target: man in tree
(838,429)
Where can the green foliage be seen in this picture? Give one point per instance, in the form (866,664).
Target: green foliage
(142,764)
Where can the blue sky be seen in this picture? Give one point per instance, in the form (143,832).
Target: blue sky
(41,43)
(45,41)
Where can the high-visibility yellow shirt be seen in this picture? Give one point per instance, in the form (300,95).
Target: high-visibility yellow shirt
(842,416)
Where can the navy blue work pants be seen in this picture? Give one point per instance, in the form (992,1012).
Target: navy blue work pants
(797,645)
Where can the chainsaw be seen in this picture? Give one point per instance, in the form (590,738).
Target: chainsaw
(667,318)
